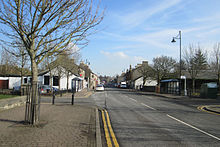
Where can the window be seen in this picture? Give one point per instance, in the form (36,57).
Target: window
(30,80)
(25,80)
(55,81)
(46,80)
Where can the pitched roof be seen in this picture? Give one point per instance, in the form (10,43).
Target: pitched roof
(203,74)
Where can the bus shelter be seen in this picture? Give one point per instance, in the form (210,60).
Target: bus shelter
(169,86)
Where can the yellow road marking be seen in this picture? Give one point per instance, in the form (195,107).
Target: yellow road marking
(109,143)
(202,109)
(111,131)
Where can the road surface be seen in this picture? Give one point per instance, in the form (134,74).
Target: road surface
(142,120)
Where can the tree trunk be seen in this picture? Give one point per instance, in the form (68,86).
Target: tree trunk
(21,82)
(22,72)
(193,85)
(218,82)
(35,103)
(22,87)
(67,81)
(144,81)
(51,78)
(158,80)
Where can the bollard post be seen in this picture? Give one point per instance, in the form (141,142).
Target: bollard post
(53,99)
(61,93)
(72,98)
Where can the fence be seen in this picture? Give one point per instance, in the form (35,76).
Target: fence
(196,93)
(6,91)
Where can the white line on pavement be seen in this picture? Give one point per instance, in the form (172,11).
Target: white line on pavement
(133,99)
(148,106)
(193,127)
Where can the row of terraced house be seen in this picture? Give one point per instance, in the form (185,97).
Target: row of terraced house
(134,79)
(58,77)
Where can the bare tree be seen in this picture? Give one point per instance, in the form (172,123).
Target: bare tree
(196,61)
(8,64)
(49,66)
(33,22)
(73,54)
(146,72)
(65,66)
(215,61)
(21,59)
(163,66)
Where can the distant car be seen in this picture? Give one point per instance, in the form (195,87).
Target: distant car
(123,86)
(17,88)
(55,89)
(47,89)
(99,88)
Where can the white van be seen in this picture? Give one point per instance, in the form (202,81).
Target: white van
(123,85)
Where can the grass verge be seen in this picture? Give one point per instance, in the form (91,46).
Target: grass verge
(5,96)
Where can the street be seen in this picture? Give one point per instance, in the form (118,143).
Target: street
(142,120)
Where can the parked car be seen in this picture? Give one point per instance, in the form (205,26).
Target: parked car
(47,89)
(99,88)
(17,89)
(55,89)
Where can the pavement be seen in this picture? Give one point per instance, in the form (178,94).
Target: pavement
(60,125)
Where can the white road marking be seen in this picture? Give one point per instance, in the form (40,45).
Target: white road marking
(148,106)
(193,127)
(133,99)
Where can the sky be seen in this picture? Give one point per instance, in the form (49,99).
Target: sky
(136,31)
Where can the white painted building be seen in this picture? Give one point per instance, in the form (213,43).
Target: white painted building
(44,78)
(64,82)
(13,81)
(138,83)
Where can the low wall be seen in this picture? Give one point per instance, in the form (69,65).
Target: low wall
(149,88)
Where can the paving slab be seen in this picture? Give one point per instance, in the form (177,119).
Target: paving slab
(60,125)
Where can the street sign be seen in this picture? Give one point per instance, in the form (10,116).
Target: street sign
(183,77)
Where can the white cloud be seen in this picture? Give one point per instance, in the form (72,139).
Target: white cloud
(139,59)
(160,39)
(133,19)
(122,58)
(208,19)
(120,55)
(157,39)
(73,48)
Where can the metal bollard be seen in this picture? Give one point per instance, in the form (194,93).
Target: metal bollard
(72,98)
(53,99)
(61,93)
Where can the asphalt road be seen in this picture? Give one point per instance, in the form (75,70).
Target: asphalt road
(142,120)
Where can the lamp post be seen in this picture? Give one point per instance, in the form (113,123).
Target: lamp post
(173,41)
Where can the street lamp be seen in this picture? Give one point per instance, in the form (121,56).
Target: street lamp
(173,41)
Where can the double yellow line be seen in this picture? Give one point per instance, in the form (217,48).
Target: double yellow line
(202,108)
(107,129)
